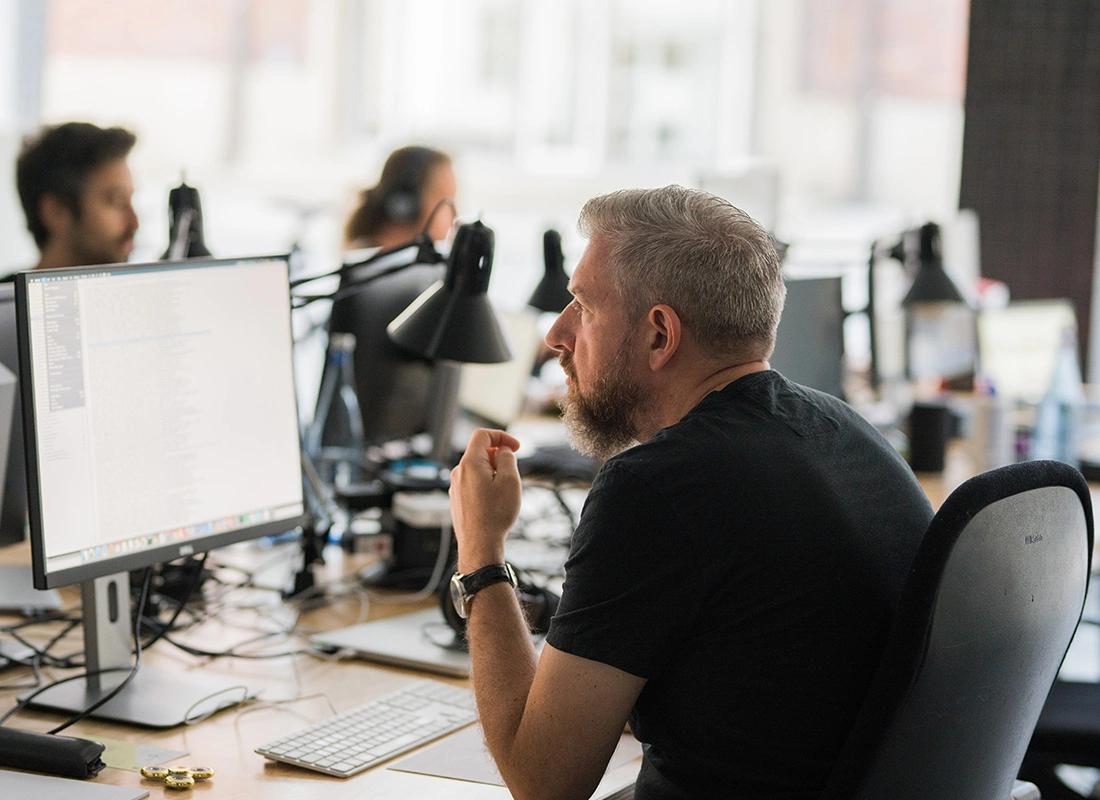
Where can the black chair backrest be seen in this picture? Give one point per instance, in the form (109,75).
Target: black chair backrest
(990,605)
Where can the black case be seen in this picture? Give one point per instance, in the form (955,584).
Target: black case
(66,756)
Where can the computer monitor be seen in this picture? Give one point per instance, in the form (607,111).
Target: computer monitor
(13,505)
(809,347)
(17,593)
(1018,345)
(160,421)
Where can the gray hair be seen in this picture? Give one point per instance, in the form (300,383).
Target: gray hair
(708,260)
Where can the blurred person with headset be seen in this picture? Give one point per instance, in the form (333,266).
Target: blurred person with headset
(76,191)
(414,195)
(413,198)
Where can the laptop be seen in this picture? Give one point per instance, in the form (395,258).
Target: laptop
(495,393)
(421,640)
(46,787)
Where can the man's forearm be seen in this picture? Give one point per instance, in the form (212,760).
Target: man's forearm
(503,666)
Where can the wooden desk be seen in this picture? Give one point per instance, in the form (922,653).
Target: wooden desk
(226,740)
(958,467)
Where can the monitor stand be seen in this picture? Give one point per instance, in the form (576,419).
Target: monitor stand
(154,698)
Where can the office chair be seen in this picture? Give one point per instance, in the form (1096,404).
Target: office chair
(991,602)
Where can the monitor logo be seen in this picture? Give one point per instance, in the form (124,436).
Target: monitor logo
(187,549)
(1033,539)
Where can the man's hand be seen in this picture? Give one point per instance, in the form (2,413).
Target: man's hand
(485,495)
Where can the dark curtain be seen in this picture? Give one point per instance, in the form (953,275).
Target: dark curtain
(1031,147)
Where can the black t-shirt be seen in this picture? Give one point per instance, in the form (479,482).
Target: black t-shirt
(745,562)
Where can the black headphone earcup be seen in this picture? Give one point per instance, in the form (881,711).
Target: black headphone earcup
(539,606)
(401,205)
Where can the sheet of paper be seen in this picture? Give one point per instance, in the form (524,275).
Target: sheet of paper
(133,756)
(463,756)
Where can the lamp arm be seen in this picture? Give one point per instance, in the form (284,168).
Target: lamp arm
(353,287)
(427,255)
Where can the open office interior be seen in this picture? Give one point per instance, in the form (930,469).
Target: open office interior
(322,323)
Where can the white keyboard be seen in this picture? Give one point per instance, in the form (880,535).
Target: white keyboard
(377,731)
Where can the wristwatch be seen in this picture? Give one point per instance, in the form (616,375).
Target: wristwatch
(464,587)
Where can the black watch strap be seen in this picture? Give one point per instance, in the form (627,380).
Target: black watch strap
(477,580)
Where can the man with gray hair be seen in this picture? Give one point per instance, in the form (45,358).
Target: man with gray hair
(733,575)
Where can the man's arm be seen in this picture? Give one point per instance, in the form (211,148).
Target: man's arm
(550,727)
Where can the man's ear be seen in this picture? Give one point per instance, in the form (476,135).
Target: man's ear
(56,217)
(665,334)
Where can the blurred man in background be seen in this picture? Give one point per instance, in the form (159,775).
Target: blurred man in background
(76,190)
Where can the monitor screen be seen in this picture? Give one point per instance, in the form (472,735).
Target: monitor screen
(160,412)
(809,345)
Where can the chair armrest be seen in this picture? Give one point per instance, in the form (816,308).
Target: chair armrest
(1025,791)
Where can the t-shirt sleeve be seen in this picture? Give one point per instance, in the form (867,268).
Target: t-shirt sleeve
(628,599)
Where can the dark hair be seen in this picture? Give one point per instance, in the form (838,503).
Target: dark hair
(57,161)
(396,196)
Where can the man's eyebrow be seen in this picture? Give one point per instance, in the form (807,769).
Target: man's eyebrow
(575,291)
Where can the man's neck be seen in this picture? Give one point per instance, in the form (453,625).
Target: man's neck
(675,405)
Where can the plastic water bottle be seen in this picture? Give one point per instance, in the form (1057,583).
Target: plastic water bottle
(337,395)
(1058,417)
(991,436)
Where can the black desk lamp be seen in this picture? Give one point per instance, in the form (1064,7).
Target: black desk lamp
(931,284)
(897,251)
(185,224)
(931,305)
(452,319)
(552,294)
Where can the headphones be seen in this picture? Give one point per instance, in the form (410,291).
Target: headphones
(401,202)
(539,604)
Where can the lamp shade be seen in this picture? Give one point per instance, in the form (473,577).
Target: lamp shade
(452,319)
(552,294)
(931,284)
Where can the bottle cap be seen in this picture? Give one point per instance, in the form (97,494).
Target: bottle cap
(179,782)
(202,773)
(154,773)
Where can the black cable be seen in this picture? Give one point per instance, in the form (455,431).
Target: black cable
(196,651)
(52,616)
(184,598)
(565,507)
(43,653)
(21,704)
(351,288)
(68,661)
(444,201)
(375,256)
(131,671)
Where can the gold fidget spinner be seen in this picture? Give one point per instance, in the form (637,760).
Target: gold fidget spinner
(178,778)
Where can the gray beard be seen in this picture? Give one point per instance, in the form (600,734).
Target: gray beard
(601,422)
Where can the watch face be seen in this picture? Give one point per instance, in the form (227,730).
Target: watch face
(458,596)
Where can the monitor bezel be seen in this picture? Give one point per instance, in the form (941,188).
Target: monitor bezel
(144,558)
